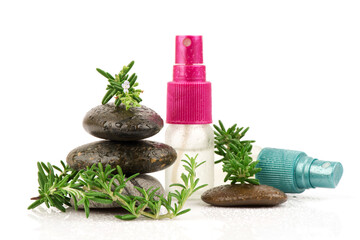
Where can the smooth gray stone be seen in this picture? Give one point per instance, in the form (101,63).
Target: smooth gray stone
(142,181)
(133,157)
(244,195)
(118,124)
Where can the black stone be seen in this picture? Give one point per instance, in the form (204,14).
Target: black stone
(142,181)
(118,124)
(244,195)
(133,157)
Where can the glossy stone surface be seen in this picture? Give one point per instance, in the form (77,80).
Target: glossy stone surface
(244,195)
(133,157)
(142,181)
(118,124)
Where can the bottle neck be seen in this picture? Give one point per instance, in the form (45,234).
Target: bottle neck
(188,74)
(302,171)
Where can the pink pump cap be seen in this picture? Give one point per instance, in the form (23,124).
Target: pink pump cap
(189,94)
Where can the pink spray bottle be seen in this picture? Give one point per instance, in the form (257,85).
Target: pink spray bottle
(189,115)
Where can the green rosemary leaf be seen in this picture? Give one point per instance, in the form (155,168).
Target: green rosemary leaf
(57,203)
(187,162)
(41,180)
(152,206)
(102,72)
(177,196)
(100,169)
(220,131)
(185,179)
(202,186)
(149,189)
(67,202)
(109,76)
(177,185)
(96,194)
(230,130)
(123,197)
(46,203)
(43,165)
(40,169)
(102,200)
(36,203)
(139,208)
(86,207)
(48,197)
(131,177)
(253,181)
(81,201)
(57,168)
(132,206)
(116,85)
(138,99)
(126,217)
(108,171)
(255,170)
(198,165)
(105,74)
(75,200)
(228,175)
(167,203)
(142,191)
(118,188)
(109,94)
(131,79)
(196,181)
(238,131)
(188,169)
(111,182)
(183,212)
(131,64)
(117,102)
(134,85)
(222,126)
(158,205)
(219,161)
(152,194)
(63,164)
(75,178)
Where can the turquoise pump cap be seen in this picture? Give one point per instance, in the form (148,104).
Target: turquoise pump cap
(294,171)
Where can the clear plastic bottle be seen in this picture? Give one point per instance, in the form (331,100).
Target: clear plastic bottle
(189,113)
(191,140)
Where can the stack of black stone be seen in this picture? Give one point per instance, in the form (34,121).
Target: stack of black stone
(124,131)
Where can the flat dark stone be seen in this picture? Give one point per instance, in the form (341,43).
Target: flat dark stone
(133,157)
(244,195)
(118,124)
(142,181)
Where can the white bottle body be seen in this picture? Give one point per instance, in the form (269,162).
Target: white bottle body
(191,140)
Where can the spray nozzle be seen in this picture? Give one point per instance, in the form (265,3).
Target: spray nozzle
(189,94)
(189,50)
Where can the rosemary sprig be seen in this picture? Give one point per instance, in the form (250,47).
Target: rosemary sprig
(122,87)
(101,185)
(235,152)
(55,190)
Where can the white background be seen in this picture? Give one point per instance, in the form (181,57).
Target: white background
(287,69)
